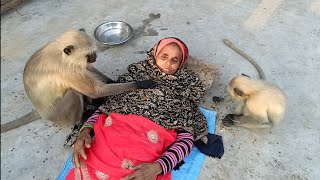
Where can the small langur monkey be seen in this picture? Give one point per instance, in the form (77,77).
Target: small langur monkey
(58,75)
(260,104)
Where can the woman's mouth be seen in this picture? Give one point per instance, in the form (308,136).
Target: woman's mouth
(166,69)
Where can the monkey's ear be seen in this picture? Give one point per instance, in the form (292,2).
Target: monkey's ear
(238,92)
(68,50)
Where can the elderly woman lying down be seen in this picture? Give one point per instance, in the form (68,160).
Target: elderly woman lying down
(144,134)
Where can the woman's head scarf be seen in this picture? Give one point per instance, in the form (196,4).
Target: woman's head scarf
(165,41)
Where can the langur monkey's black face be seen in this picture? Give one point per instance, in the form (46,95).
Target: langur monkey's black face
(91,58)
(237,86)
(235,93)
(80,49)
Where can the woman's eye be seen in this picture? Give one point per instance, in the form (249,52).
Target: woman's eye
(175,61)
(164,57)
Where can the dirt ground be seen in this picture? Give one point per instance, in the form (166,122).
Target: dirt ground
(283,36)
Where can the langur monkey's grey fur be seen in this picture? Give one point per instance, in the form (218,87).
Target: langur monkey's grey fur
(260,104)
(58,75)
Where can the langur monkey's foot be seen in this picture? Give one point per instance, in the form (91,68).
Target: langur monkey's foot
(229,120)
(217,99)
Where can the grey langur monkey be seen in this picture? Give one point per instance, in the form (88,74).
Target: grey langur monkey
(260,104)
(58,75)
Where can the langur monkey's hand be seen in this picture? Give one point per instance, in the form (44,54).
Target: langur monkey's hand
(84,139)
(145,84)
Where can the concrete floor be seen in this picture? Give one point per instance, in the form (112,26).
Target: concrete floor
(283,36)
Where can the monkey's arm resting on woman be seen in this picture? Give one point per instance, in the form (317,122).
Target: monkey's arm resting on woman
(134,70)
(188,84)
(95,88)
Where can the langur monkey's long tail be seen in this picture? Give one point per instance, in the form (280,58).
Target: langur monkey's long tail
(252,61)
(26,119)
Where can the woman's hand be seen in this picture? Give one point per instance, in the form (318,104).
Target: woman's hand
(145,171)
(83,139)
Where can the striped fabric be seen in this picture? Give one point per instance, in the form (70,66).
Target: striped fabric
(176,152)
(92,119)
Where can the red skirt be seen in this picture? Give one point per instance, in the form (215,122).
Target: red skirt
(122,141)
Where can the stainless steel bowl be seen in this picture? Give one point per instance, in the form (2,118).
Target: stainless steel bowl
(113,33)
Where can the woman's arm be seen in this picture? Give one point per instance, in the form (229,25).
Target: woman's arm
(176,152)
(84,138)
(91,120)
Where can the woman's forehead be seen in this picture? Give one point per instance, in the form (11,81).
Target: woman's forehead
(173,45)
(170,48)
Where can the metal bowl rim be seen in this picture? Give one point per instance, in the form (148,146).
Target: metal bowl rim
(130,28)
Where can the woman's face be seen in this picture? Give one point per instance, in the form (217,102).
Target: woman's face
(169,58)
